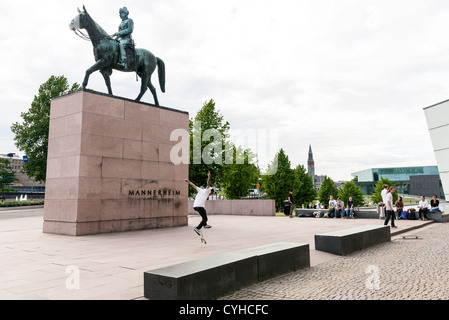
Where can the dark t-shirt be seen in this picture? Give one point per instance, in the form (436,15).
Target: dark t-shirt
(434,203)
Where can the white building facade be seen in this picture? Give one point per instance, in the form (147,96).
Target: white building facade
(437,117)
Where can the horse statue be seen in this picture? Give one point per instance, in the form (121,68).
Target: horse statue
(107,56)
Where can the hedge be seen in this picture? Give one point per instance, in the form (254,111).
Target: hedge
(21,203)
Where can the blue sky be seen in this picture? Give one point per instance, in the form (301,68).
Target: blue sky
(349,77)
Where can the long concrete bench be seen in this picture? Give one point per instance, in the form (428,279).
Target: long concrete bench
(364,213)
(214,276)
(279,258)
(347,241)
(438,216)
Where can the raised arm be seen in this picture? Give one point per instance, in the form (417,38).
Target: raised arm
(208,179)
(191,183)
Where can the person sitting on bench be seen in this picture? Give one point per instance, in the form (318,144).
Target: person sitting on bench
(423,207)
(340,208)
(434,204)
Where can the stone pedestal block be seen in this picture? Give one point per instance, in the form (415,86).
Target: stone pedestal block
(109,167)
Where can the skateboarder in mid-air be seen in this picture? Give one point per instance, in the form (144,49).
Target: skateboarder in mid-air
(200,202)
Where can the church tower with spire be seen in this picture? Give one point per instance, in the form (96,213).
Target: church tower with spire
(311,165)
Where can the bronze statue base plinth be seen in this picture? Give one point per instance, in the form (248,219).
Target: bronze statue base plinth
(109,167)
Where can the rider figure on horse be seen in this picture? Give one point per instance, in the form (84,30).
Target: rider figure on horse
(124,36)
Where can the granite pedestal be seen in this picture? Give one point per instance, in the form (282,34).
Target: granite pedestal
(109,166)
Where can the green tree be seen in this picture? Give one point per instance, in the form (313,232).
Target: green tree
(350,189)
(376,196)
(208,136)
(31,136)
(7,175)
(241,175)
(303,192)
(281,179)
(328,188)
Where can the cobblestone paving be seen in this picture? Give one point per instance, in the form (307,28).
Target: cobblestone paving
(403,269)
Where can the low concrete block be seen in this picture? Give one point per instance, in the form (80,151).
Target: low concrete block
(202,279)
(279,258)
(243,207)
(438,216)
(215,276)
(344,242)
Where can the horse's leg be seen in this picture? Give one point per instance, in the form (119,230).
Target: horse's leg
(107,79)
(97,66)
(144,86)
(153,91)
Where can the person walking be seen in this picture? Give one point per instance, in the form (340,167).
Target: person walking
(389,212)
(200,203)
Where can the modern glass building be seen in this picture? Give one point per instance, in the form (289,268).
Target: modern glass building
(408,180)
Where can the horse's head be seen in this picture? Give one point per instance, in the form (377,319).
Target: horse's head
(80,21)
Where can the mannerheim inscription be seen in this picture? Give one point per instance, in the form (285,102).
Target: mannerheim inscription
(154,193)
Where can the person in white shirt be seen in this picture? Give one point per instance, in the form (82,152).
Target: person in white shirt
(200,203)
(389,211)
(332,206)
(384,193)
(423,207)
(340,208)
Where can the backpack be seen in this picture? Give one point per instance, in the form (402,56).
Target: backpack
(411,214)
(404,215)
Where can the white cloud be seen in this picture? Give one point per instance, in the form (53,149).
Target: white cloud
(349,77)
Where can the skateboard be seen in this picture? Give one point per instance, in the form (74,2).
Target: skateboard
(202,238)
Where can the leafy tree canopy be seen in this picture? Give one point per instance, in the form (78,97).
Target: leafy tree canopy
(281,180)
(240,176)
(208,135)
(327,189)
(7,175)
(350,189)
(304,192)
(31,136)
(376,196)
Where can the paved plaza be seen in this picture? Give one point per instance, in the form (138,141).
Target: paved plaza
(413,266)
(35,265)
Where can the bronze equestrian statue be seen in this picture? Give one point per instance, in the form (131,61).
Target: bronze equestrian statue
(109,55)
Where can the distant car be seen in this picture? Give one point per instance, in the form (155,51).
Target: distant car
(254,192)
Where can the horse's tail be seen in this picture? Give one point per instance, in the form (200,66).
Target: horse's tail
(161,73)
